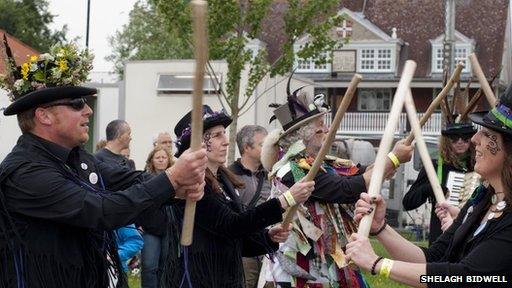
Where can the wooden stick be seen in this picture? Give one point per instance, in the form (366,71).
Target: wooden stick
(477,71)
(387,141)
(199,15)
(422,148)
(439,98)
(345,102)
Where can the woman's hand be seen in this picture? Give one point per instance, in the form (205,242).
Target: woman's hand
(446,213)
(302,190)
(360,251)
(279,234)
(364,207)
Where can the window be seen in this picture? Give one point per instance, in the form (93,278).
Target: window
(183,83)
(375,60)
(461,53)
(374,100)
(309,65)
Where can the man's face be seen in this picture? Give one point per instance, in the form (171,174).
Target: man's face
(126,137)
(68,126)
(254,152)
(164,140)
(314,143)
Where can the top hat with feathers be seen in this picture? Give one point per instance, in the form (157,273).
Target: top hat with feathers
(500,117)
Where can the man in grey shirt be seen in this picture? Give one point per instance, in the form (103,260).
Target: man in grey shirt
(257,187)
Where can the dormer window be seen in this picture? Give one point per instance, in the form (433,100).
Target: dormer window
(463,47)
(309,65)
(375,60)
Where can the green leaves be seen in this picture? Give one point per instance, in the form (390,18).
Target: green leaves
(28,21)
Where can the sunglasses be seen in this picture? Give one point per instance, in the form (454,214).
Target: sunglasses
(455,137)
(75,104)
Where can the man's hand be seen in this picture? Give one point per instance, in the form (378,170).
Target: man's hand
(189,169)
(193,192)
(402,151)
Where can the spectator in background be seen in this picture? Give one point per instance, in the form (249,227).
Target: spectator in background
(163,139)
(101,144)
(257,187)
(118,138)
(158,160)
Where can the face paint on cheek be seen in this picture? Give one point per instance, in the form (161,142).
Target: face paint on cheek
(492,146)
(207,140)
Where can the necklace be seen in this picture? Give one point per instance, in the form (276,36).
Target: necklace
(498,210)
(494,198)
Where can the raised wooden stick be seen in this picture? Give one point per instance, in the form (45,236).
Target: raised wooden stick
(422,148)
(477,71)
(439,98)
(199,8)
(345,102)
(387,141)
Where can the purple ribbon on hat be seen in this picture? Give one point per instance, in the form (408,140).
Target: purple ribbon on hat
(187,131)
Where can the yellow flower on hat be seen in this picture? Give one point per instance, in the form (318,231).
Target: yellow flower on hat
(63,65)
(33,58)
(25,68)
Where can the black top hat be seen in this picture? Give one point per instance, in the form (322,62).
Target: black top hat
(458,129)
(46,78)
(299,109)
(500,117)
(210,119)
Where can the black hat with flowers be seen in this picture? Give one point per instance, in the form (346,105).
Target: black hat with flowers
(299,109)
(500,117)
(210,119)
(46,78)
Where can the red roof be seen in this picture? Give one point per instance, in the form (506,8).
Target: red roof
(418,22)
(20,50)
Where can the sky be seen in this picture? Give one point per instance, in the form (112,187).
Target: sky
(106,17)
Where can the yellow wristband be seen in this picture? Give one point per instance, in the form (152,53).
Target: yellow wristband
(394,159)
(385,268)
(289,198)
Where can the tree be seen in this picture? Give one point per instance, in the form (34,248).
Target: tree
(232,24)
(145,37)
(28,21)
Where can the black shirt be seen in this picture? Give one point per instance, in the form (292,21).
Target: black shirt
(56,216)
(112,158)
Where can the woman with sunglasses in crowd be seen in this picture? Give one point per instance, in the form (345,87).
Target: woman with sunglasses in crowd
(477,244)
(456,153)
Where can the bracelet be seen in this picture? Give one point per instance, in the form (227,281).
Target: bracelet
(289,198)
(380,229)
(394,159)
(375,265)
(385,268)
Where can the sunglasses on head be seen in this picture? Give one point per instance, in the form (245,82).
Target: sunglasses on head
(75,104)
(455,137)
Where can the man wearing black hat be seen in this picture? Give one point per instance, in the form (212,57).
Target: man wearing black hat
(57,202)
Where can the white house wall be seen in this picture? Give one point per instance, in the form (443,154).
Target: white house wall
(9,130)
(149,112)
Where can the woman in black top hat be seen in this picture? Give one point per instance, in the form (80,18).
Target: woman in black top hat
(223,232)
(456,154)
(478,243)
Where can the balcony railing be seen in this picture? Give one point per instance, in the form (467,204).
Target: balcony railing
(374,123)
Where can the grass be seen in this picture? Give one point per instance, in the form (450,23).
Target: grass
(374,281)
(379,282)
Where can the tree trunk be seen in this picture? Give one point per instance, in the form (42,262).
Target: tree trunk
(232,135)
(233,104)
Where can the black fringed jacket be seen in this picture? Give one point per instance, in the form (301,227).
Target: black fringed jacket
(56,218)
(223,233)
